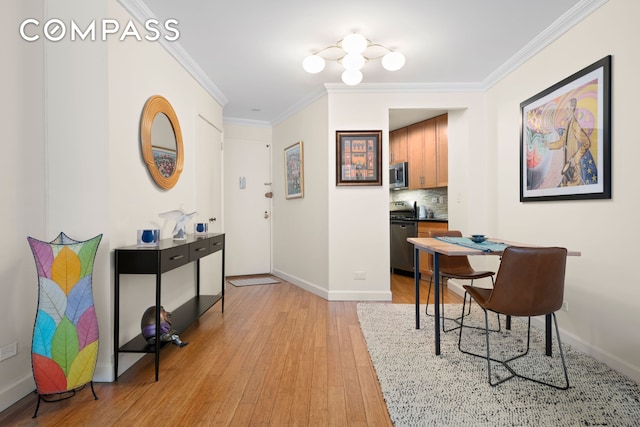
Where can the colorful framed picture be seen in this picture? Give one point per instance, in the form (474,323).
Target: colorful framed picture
(359,157)
(565,138)
(294,171)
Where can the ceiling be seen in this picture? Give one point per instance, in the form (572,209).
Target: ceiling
(248,53)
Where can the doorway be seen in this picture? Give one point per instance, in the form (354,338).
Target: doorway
(247,207)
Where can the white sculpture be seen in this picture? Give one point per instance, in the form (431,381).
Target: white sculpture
(181,218)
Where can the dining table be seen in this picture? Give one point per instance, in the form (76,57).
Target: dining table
(462,246)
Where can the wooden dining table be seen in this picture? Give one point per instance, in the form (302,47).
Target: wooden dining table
(438,247)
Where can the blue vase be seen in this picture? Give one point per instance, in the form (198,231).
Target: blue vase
(147,236)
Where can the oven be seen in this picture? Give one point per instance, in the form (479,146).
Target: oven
(403,224)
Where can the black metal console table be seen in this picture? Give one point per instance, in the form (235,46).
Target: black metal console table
(169,254)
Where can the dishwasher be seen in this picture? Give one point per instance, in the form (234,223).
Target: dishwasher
(403,224)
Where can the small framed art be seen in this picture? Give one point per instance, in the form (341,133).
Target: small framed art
(294,171)
(358,157)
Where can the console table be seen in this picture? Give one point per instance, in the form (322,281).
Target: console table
(168,255)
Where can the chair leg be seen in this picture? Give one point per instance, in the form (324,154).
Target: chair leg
(505,363)
(455,319)
(442,307)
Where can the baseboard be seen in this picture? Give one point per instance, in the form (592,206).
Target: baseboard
(307,286)
(333,295)
(16,391)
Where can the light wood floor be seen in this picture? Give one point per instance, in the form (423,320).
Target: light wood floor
(278,355)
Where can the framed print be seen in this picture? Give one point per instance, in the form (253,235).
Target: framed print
(294,171)
(565,138)
(359,157)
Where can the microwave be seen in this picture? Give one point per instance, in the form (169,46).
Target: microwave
(399,175)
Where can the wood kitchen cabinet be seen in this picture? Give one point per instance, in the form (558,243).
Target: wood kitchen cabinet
(442,150)
(427,144)
(398,146)
(415,145)
(423,231)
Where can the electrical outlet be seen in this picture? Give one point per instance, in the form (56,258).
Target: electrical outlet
(434,200)
(565,305)
(8,350)
(359,275)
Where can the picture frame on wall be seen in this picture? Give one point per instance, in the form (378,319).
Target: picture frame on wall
(294,171)
(565,138)
(358,157)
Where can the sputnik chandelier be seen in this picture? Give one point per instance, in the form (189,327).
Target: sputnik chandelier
(353,52)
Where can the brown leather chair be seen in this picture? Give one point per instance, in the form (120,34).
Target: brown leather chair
(530,282)
(453,267)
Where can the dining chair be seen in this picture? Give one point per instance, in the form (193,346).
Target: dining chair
(529,282)
(453,267)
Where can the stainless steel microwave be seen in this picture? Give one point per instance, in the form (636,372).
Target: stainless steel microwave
(399,175)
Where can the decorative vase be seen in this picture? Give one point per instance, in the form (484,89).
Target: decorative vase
(64,349)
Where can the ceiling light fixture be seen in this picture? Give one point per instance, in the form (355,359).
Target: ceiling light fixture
(353,51)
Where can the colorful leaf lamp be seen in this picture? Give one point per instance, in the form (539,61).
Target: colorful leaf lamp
(64,349)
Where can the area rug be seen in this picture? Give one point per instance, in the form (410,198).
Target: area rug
(254,281)
(422,389)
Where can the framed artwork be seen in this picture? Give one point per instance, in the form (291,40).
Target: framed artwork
(359,157)
(294,171)
(565,138)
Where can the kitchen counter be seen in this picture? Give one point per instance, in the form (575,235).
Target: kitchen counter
(432,220)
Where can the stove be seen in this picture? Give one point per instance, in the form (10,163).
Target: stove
(402,211)
(404,224)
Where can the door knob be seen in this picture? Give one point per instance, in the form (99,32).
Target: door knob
(212,219)
(266,214)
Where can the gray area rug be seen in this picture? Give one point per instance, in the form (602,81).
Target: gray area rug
(254,281)
(422,389)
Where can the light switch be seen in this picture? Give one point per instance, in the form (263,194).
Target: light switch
(243,182)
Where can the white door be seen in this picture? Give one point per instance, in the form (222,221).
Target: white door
(209,186)
(247,209)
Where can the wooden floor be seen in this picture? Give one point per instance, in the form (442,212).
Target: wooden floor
(277,356)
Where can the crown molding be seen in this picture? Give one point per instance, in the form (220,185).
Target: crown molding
(142,13)
(563,24)
(246,122)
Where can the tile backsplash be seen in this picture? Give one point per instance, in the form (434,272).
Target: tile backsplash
(435,199)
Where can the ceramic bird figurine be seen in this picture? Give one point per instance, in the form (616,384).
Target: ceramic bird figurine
(181,218)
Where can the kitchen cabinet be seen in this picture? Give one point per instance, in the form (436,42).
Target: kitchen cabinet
(415,145)
(423,231)
(442,151)
(427,144)
(398,146)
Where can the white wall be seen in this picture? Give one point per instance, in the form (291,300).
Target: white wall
(601,285)
(22,192)
(300,226)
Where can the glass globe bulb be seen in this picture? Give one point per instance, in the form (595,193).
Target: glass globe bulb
(354,43)
(351,77)
(393,61)
(353,61)
(313,64)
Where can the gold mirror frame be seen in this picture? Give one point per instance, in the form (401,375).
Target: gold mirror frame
(154,106)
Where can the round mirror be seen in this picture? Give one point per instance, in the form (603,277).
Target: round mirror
(161,142)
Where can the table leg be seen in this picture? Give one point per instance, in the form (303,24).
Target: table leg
(548,337)
(436,300)
(416,277)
